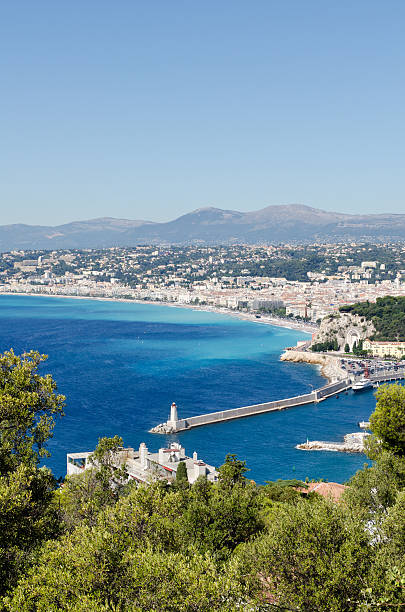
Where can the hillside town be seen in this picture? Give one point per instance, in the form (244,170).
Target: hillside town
(298,282)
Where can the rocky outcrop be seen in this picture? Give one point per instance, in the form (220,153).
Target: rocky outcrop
(330,366)
(344,327)
(163,428)
(353,443)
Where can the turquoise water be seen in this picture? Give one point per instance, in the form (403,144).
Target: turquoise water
(122,364)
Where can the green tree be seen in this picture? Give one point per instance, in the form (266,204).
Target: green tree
(313,557)
(99,578)
(288,491)
(28,404)
(388,420)
(374,489)
(81,499)
(347,348)
(84,495)
(232,471)
(110,472)
(386,582)
(181,473)
(28,514)
(217,518)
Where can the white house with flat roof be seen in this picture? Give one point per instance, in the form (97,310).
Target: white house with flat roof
(144,466)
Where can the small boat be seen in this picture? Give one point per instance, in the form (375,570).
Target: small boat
(364,424)
(362,384)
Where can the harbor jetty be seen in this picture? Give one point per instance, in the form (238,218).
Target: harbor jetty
(174,424)
(352,443)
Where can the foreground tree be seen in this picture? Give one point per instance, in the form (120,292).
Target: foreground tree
(386,583)
(313,557)
(181,473)
(216,519)
(133,558)
(84,495)
(28,405)
(103,579)
(110,473)
(388,420)
(28,514)
(374,489)
(232,471)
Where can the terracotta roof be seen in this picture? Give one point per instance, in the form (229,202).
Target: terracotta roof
(332,490)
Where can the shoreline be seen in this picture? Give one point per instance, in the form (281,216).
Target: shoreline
(244,316)
(330,366)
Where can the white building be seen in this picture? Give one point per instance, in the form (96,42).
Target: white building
(383,349)
(144,466)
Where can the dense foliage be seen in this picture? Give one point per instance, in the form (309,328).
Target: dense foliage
(328,345)
(387,314)
(98,544)
(28,513)
(388,419)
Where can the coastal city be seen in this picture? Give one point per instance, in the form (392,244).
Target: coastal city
(202,307)
(301,283)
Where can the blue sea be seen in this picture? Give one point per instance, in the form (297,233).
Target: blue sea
(122,364)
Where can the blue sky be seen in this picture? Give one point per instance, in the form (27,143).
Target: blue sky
(150,109)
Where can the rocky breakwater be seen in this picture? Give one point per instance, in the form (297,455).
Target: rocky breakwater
(352,443)
(330,366)
(163,428)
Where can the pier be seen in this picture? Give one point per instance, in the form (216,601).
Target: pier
(317,395)
(174,424)
(394,375)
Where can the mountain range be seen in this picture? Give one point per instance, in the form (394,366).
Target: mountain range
(293,223)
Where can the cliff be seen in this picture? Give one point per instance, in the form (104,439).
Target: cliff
(345,328)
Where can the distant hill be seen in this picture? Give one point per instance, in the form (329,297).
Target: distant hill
(273,224)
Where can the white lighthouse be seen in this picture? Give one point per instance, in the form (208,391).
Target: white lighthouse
(173,416)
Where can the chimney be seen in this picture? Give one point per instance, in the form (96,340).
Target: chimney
(162,456)
(143,455)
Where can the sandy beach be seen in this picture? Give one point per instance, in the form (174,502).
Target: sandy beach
(246,316)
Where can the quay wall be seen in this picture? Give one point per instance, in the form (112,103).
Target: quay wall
(399,375)
(244,411)
(317,395)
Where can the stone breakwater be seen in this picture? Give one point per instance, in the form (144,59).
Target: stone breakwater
(163,428)
(317,395)
(352,443)
(330,366)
